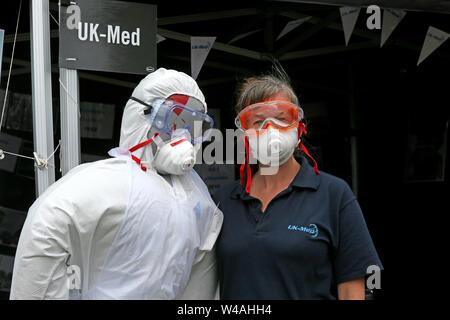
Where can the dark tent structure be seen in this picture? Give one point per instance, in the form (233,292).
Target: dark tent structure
(375,118)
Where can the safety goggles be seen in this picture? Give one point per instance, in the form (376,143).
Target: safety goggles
(257,117)
(175,119)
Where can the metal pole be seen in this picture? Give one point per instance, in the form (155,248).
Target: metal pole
(42,92)
(70,121)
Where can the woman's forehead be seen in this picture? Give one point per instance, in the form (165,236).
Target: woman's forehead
(262,112)
(280,96)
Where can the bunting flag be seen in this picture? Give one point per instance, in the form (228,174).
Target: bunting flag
(349,15)
(291,25)
(2,36)
(391,19)
(159,38)
(200,47)
(243,35)
(433,40)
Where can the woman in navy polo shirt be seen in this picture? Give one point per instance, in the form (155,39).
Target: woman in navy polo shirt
(289,231)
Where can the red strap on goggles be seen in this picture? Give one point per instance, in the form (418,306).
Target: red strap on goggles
(302,130)
(246,164)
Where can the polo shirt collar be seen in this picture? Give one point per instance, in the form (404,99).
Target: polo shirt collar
(305,178)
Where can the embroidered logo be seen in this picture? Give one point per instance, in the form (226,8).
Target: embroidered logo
(311,229)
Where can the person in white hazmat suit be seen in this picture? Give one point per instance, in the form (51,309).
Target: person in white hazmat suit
(140,225)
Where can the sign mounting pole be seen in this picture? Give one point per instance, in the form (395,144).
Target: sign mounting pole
(70,114)
(70,120)
(41,76)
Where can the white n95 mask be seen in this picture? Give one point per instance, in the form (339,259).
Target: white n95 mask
(273,147)
(176,156)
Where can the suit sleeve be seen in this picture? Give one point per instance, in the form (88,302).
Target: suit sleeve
(40,270)
(203,282)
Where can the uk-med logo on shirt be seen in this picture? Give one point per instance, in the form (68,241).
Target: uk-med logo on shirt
(311,229)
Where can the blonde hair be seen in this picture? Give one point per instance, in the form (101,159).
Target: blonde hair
(260,88)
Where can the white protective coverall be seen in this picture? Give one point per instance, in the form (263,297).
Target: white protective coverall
(133,234)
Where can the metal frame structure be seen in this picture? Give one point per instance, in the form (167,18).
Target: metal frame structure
(70,128)
(42,92)
(70,120)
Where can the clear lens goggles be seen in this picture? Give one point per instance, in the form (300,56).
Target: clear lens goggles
(281,115)
(176,119)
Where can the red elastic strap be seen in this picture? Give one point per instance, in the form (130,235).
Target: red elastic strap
(316,170)
(241,172)
(249,172)
(138,146)
(300,132)
(177,142)
(241,169)
(138,161)
(302,129)
(142,144)
(246,164)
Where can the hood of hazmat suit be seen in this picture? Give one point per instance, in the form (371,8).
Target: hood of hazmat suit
(111,230)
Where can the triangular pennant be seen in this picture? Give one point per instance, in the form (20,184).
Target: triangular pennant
(243,35)
(200,47)
(433,40)
(391,19)
(291,25)
(349,15)
(159,38)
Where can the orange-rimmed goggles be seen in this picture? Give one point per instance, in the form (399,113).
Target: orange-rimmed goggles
(281,115)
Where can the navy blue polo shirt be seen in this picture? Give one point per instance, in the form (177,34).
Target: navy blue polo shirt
(311,237)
